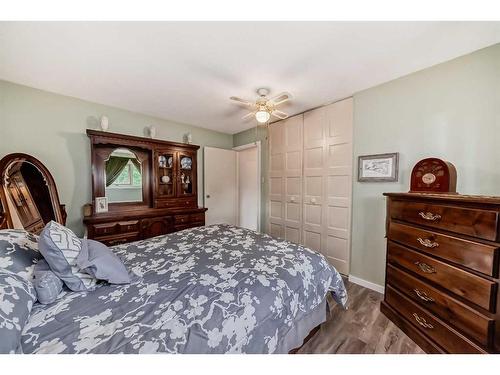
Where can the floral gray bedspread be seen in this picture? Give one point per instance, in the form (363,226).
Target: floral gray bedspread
(214,289)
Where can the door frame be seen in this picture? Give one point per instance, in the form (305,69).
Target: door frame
(260,181)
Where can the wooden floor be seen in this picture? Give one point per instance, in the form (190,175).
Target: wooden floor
(362,329)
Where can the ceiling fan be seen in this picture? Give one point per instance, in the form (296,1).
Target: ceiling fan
(263,107)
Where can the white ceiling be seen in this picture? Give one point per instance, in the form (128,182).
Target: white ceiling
(186,71)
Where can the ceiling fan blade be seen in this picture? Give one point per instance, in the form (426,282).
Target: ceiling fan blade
(248,115)
(279,114)
(242,101)
(280,98)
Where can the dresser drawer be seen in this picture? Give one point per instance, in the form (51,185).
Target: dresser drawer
(198,218)
(429,324)
(105,229)
(459,315)
(477,256)
(471,222)
(176,203)
(181,219)
(118,239)
(473,288)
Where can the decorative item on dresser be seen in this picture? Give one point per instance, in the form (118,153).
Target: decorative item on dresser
(150,186)
(442,270)
(433,175)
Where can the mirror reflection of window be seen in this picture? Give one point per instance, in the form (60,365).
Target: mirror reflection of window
(123,177)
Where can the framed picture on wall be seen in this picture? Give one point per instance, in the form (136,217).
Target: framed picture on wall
(378,168)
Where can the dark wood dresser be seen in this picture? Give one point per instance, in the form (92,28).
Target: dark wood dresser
(168,184)
(117,228)
(442,271)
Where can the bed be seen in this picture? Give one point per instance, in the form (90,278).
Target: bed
(213,289)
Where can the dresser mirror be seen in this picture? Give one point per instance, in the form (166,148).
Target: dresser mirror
(121,172)
(123,176)
(28,194)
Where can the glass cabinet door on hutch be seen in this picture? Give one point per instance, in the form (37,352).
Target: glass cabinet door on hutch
(185,168)
(165,163)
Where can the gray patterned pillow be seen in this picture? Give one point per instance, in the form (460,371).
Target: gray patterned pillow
(17,296)
(46,283)
(99,261)
(18,252)
(60,248)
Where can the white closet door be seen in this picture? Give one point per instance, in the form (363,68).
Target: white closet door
(276,179)
(338,184)
(314,176)
(293,177)
(327,182)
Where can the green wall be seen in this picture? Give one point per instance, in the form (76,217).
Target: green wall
(52,128)
(249,136)
(451,111)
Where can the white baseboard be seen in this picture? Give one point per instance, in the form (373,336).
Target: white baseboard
(366,284)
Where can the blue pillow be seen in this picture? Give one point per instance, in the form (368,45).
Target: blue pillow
(17,296)
(100,262)
(60,247)
(18,252)
(47,284)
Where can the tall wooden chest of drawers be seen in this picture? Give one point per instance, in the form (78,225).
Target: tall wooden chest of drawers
(442,271)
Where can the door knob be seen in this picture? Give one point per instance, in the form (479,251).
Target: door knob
(313,200)
(208,195)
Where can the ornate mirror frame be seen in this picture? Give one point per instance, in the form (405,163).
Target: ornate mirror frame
(102,144)
(5,164)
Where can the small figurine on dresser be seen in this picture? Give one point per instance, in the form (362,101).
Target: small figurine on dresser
(433,175)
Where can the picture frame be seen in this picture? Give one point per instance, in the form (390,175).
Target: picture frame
(101,204)
(378,167)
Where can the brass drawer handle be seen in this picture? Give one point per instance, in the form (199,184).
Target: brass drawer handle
(422,321)
(423,296)
(429,216)
(427,243)
(424,267)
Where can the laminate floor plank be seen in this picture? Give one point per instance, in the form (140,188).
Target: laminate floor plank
(361,329)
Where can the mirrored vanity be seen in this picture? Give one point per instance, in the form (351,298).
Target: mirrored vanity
(28,195)
(141,188)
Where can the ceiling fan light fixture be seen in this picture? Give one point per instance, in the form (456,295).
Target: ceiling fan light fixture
(262,116)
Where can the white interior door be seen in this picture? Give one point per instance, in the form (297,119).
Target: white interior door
(220,185)
(248,188)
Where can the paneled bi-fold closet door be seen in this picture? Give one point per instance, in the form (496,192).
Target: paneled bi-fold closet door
(339,183)
(276,179)
(285,179)
(293,178)
(328,182)
(310,178)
